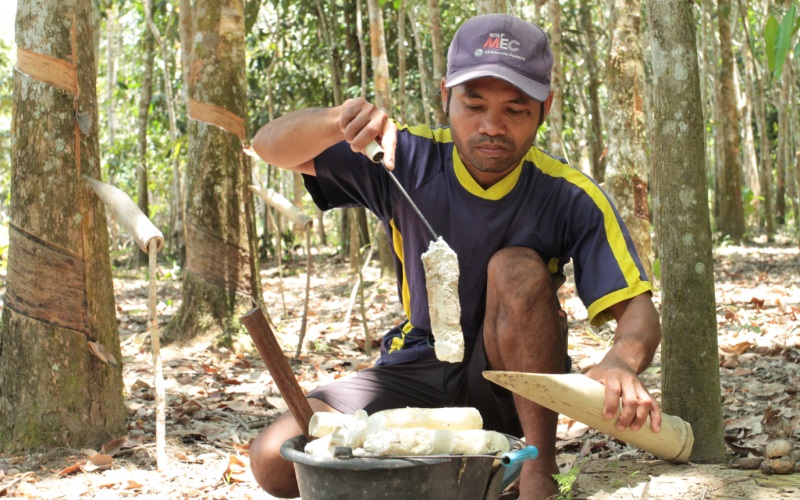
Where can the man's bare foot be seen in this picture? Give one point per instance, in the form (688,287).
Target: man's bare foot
(537,485)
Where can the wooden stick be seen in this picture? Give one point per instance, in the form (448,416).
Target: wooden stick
(272,354)
(304,322)
(158,375)
(582,398)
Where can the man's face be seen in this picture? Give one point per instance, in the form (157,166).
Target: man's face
(493,124)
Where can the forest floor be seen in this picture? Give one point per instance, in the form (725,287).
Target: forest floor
(219,398)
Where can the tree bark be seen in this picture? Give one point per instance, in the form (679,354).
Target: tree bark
(185,8)
(556,116)
(142,199)
(755,87)
(221,279)
(731,211)
(111,73)
(59,297)
(402,63)
(626,167)
(690,376)
(426,104)
(383,99)
(595,133)
(490,6)
(781,156)
(439,50)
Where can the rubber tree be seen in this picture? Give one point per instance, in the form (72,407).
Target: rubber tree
(690,366)
(383,99)
(59,303)
(221,280)
(556,117)
(627,168)
(731,210)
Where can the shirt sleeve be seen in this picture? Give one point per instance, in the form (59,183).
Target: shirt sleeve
(607,267)
(348,179)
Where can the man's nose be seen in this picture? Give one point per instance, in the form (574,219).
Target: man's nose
(492,123)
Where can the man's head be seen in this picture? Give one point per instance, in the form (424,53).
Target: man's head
(497,92)
(505,47)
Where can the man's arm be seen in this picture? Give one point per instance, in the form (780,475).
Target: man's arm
(636,339)
(295,139)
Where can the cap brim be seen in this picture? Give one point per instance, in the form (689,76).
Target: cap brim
(534,89)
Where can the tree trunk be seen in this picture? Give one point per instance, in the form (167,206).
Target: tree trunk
(439,50)
(490,7)
(731,212)
(333,55)
(145,97)
(781,162)
(556,116)
(186,43)
(626,166)
(111,73)
(690,376)
(402,64)
(426,104)
(221,280)
(59,297)
(755,87)
(383,99)
(175,237)
(595,134)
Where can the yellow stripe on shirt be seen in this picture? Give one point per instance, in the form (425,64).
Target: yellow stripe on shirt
(397,243)
(614,234)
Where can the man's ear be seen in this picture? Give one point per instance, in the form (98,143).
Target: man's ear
(547,103)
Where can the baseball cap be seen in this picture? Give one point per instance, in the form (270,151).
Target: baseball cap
(501,46)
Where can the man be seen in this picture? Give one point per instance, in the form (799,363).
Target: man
(513,215)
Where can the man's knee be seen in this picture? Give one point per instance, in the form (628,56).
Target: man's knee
(519,271)
(272,472)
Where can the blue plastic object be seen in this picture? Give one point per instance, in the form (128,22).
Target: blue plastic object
(512,464)
(513,457)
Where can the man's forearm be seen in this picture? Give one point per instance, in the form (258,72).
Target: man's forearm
(637,335)
(295,139)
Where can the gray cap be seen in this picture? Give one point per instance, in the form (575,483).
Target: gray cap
(501,46)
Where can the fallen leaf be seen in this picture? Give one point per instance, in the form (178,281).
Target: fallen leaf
(114,446)
(738,349)
(139,385)
(72,469)
(133,485)
(235,470)
(187,408)
(98,462)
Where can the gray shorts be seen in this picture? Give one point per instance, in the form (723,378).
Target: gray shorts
(429,383)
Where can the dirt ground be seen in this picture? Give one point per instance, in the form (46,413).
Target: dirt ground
(218,399)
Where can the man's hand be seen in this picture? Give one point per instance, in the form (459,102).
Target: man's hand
(361,121)
(636,339)
(623,385)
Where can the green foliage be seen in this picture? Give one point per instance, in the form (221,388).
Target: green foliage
(778,37)
(565,482)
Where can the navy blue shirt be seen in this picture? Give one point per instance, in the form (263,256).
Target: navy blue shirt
(543,204)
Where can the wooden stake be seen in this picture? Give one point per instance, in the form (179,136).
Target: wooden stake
(155,343)
(272,354)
